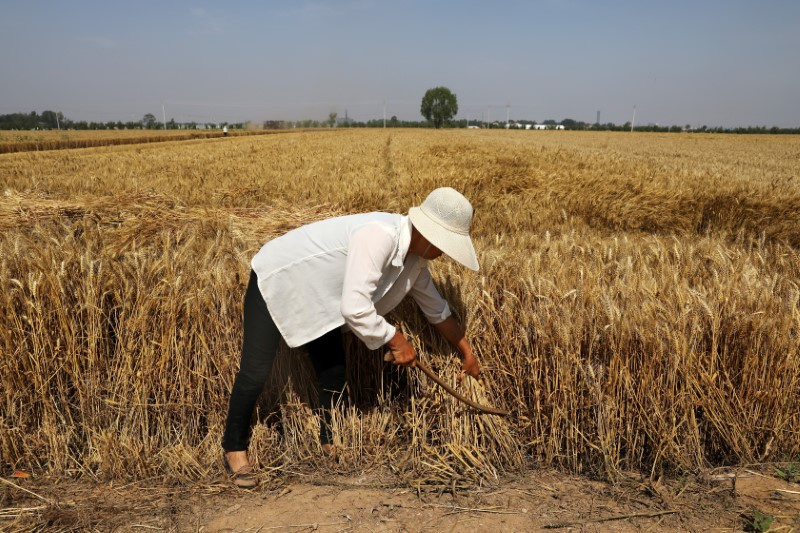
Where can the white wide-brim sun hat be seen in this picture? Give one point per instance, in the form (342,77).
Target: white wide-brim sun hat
(444,219)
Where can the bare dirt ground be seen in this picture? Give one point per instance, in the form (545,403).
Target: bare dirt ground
(539,500)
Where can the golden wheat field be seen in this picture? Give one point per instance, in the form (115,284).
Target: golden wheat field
(637,307)
(25,141)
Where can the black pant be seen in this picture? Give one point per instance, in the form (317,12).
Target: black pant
(259,347)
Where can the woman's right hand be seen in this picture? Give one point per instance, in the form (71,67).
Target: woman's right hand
(402,351)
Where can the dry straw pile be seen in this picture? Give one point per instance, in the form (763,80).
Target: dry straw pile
(637,308)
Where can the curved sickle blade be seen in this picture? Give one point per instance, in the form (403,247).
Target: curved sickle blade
(428,372)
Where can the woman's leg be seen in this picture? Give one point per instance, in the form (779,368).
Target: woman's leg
(259,347)
(327,355)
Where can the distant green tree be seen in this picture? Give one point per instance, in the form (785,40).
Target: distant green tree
(571,124)
(149,121)
(19,121)
(51,119)
(332,118)
(439,105)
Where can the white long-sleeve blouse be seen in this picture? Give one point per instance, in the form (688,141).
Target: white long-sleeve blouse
(350,271)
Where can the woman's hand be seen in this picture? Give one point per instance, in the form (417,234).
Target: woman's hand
(452,331)
(470,365)
(401,350)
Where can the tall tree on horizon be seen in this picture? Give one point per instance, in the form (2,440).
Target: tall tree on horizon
(439,105)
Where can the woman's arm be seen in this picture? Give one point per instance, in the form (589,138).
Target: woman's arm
(452,331)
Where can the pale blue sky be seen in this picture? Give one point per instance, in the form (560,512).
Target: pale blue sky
(713,62)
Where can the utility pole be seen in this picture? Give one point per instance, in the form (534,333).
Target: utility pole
(164,115)
(634,117)
(384,114)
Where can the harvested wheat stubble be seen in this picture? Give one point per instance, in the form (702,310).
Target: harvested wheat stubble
(57,140)
(622,330)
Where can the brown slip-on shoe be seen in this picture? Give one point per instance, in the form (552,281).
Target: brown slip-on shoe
(244,478)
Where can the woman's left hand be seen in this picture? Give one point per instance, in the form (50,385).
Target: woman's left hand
(469,364)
